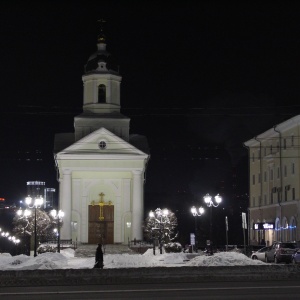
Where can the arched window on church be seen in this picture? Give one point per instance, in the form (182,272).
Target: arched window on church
(101,93)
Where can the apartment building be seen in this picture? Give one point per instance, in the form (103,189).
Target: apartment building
(274,179)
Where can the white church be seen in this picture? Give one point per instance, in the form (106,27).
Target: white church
(100,171)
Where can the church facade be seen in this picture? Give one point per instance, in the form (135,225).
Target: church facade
(101,167)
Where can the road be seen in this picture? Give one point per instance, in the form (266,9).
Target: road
(211,290)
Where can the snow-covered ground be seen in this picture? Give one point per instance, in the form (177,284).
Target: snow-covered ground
(66,260)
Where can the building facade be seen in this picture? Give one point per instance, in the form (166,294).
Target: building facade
(100,171)
(274,164)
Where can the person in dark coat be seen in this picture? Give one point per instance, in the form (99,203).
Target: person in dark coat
(99,257)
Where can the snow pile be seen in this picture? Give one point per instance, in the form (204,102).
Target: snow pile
(223,259)
(24,262)
(66,260)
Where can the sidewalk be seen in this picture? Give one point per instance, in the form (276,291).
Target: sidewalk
(88,250)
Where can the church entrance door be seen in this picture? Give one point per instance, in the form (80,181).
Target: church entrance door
(101,222)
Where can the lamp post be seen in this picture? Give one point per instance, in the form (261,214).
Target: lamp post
(210,203)
(197,213)
(36,203)
(58,216)
(159,215)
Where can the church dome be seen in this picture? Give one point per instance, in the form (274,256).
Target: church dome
(101,61)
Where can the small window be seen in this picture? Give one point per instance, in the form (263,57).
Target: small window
(285,171)
(293,168)
(101,93)
(265,176)
(292,141)
(253,179)
(285,194)
(259,178)
(102,145)
(272,197)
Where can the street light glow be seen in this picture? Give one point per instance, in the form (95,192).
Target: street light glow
(198,212)
(209,202)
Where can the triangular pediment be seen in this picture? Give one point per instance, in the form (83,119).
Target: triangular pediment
(102,143)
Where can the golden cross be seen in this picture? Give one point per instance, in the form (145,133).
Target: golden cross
(101,203)
(101,197)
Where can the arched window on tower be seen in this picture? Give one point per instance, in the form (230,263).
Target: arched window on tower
(101,93)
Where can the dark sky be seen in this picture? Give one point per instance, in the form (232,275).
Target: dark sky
(199,79)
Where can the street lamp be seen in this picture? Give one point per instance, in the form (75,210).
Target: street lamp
(158,215)
(197,213)
(58,216)
(38,201)
(210,203)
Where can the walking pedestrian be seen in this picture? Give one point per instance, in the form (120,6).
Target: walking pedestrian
(99,257)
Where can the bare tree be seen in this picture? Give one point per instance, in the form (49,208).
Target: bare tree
(161,225)
(24,223)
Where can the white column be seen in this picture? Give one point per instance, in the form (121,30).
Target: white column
(65,201)
(108,92)
(95,91)
(137,206)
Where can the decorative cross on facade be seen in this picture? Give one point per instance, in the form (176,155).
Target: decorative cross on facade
(101,203)
(101,197)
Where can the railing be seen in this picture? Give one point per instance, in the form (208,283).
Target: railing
(64,243)
(139,245)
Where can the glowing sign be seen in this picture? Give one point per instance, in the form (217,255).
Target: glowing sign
(263,226)
(268,226)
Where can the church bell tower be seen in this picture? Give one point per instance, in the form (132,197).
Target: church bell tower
(101,95)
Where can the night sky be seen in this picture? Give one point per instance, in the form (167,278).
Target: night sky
(199,79)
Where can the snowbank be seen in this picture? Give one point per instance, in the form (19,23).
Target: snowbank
(66,260)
